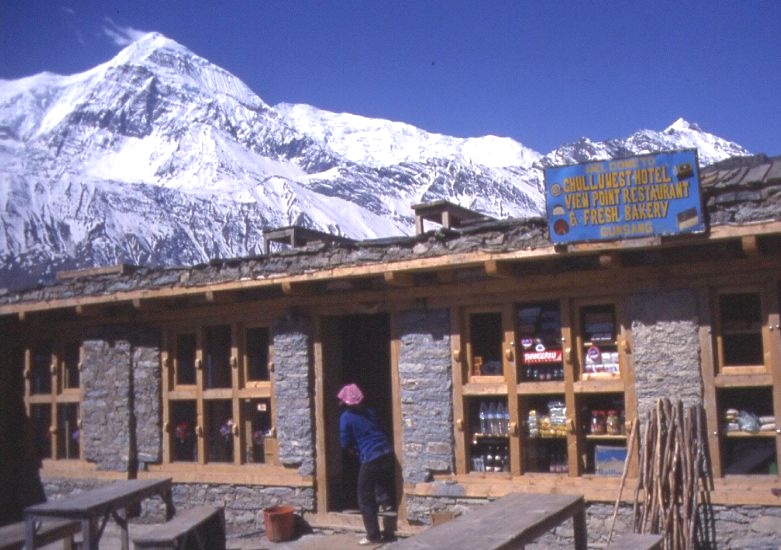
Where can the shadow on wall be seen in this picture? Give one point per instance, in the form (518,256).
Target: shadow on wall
(20,484)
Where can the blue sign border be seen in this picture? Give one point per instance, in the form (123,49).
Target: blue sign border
(633,197)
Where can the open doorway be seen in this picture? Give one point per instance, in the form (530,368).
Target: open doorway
(356,350)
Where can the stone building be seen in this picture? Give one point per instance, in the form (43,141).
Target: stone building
(223,376)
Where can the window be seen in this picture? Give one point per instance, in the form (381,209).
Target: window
(740,340)
(557,400)
(744,438)
(218,396)
(53,397)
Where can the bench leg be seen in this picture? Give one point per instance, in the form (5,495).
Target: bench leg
(581,534)
(89,534)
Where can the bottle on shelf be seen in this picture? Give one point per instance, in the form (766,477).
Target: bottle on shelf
(491,420)
(612,423)
(488,459)
(598,423)
(483,415)
(506,420)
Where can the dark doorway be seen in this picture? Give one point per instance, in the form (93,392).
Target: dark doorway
(356,350)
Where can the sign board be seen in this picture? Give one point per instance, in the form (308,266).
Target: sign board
(643,196)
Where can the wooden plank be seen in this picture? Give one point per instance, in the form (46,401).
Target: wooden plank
(203,525)
(509,522)
(12,536)
(398,443)
(116,495)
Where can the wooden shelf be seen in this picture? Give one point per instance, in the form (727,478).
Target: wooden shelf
(544,388)
(484,389)
(599,386)
(742,435)
(605,437)
(483,436)
(743,380)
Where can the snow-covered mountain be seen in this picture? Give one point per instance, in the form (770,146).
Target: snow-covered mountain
(158,157)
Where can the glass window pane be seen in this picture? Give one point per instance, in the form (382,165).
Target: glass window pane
(219,430)
(68,432)
(41,416)
(539,342)
(184,444)
(256,426)
(185,359)
(485,335)
(257,344)
(70,371)
(40,375)
(741,326)
(217,357)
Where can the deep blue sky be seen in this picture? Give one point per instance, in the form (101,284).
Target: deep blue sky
(544,72)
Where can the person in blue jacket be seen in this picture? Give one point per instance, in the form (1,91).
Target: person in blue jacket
(359,429)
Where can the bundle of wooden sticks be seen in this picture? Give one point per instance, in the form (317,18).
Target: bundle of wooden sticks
(673,474)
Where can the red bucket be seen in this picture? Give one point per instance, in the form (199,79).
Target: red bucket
(279,522)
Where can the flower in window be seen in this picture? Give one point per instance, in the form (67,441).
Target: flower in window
(226,429)
(182,432)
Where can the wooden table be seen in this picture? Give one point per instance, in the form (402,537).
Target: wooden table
(509,522)
(93,508)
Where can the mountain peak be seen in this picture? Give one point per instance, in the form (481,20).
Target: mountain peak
(682,125)
(145,48)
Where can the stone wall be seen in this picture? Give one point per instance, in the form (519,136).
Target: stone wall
(121,409)
(294,390)
(426,394)
(665,350)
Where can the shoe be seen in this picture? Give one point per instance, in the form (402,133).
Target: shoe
(366,541)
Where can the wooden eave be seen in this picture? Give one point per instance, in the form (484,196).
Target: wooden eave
(399,273)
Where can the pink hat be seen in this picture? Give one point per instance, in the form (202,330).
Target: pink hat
(350,395)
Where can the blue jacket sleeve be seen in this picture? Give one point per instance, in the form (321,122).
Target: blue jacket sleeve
(346,438)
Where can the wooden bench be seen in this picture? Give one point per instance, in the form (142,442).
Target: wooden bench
(202,527)
(12,536)
(636,541)
(509,522)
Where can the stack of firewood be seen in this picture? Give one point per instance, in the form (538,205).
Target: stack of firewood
(673,475)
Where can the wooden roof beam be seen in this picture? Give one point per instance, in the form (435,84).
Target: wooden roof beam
(502,270)
(297,289)
(610,260)
(750,245)
(399,278)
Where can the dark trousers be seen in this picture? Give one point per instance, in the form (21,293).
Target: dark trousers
(371,475)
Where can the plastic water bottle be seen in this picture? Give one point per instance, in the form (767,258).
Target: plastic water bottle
(483,418)
(491,419)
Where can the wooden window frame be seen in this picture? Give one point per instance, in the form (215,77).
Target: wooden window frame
(718,331)
(58,395)
(238,394)
(572,389)
(718,378)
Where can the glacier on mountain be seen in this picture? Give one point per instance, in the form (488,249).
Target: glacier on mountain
(158,157)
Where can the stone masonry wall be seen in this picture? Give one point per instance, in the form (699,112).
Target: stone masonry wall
(294,388)
(665,348)
(426,394)
(121,409)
